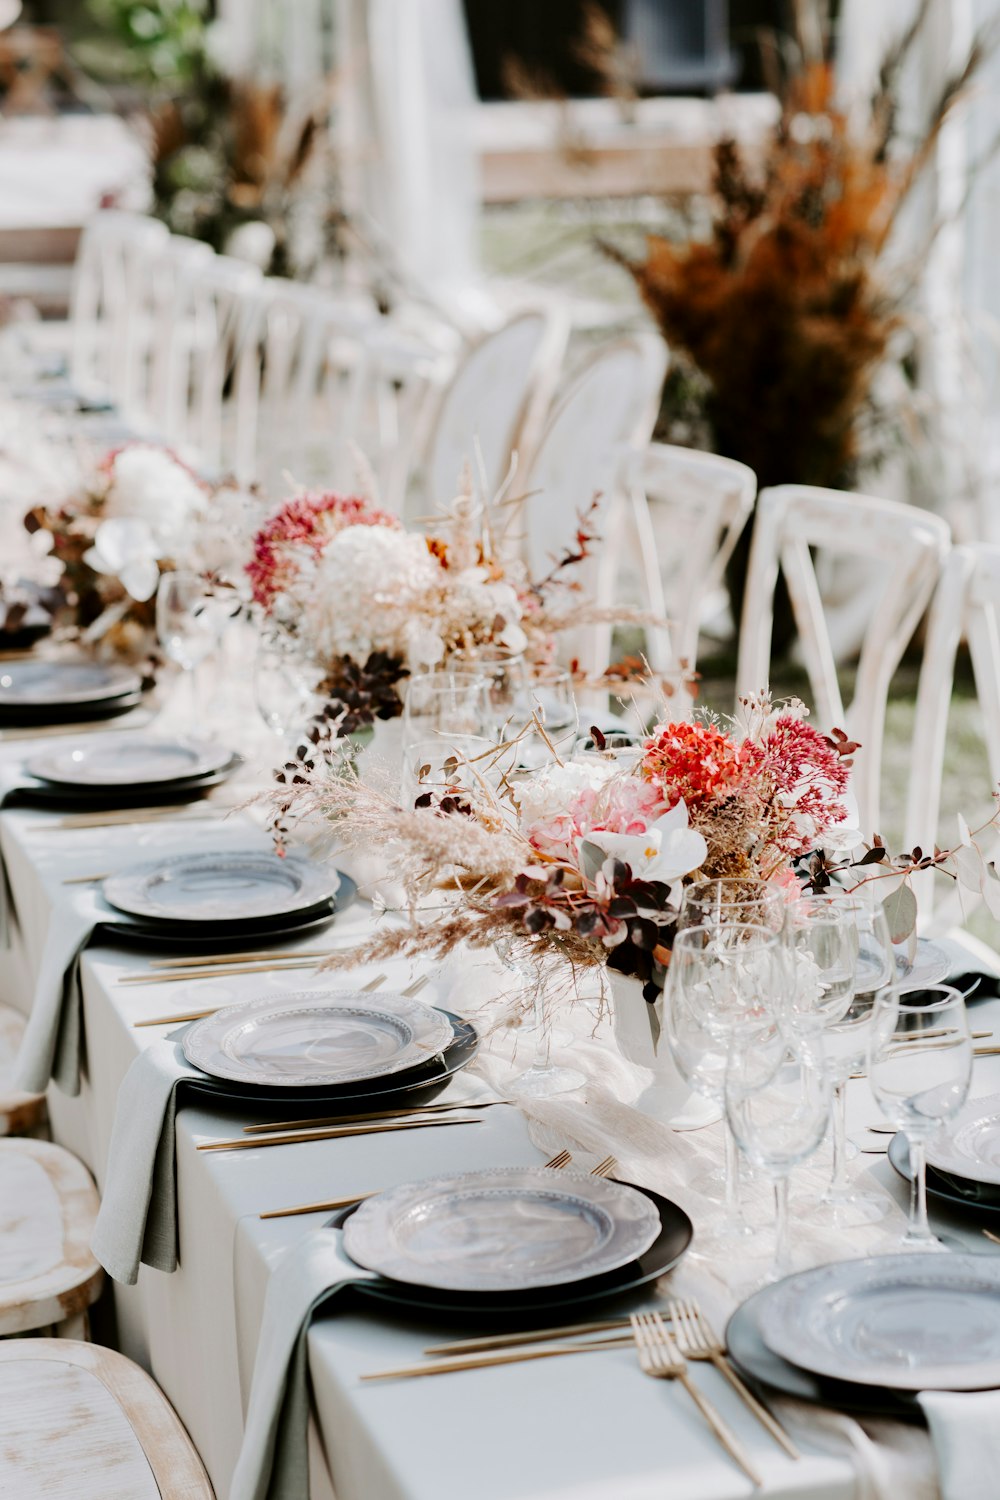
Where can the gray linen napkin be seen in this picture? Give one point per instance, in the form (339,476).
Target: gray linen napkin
(50,1047)
(12,779)
(274,1462)
(137,1220)
(965,1433)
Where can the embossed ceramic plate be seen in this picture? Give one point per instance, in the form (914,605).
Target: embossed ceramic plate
(236,886)
(907,1322)
(970,1145)
(503,1229)
(930,965)
(130,760)
(308,1040)
(40,684)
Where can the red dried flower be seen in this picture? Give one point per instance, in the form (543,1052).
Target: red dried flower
(803,773)
(696,762)
(306,523)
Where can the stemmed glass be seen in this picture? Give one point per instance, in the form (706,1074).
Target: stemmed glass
(919,1069)
(449,705)
(186,625)
(778,1105)
(544,1077)
(845,1042)
(822,945)
(284,689)
(520,696)
(733,899)
(724,987)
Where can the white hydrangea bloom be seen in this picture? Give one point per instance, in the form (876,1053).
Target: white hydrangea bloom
(550,792)
(364,582)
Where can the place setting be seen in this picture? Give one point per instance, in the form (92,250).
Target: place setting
(91,779)
(37,693)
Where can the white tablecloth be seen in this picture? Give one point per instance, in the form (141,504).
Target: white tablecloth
(588,1427)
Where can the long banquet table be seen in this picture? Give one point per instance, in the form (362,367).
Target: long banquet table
(572,1427)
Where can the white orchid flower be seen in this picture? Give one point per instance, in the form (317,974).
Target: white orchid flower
(667,850)
(126,549)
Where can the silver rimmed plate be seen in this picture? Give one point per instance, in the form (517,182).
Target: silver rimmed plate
(970,1147)
(40,684)
(503,1229)
(236,886)
(907,1322)
(309,1040)
(930,965)
(116,760)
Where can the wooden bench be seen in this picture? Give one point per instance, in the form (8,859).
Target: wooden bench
(20,1113)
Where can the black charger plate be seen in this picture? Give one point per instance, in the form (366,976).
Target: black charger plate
(762,1367)
(676,1232)
(415,1086)
(64,797)
(937,1187)
(68,713)
(175,936)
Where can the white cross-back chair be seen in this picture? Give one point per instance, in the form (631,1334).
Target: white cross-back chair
(214,364)
(608,408)
(965,605)
(312,356)
(791,521)
(110,275)
(687,510)
(495,403)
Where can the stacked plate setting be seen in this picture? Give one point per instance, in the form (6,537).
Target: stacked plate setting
(963,1160)
(38,692)
(350,1052)
(871,1334)
(122,770)
(512,1241)
(218,899)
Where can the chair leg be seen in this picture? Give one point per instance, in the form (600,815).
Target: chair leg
(76,1327)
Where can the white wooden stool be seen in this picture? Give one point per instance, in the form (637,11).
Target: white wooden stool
(79,1422)
(19,1113)
(48,1204)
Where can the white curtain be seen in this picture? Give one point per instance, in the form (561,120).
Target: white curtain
(409,140)
(958,309)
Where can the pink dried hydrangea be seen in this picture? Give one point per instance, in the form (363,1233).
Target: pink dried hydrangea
(300,530)
(622,805)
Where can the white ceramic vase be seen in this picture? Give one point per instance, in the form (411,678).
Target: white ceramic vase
(637,1032)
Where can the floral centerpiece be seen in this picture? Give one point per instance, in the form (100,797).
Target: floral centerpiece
(139,513)
(370,602)
(587,859)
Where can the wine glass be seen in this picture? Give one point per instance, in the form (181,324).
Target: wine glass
(535,706)
(445,764)
(186,625)
(821,944)
(778,1104)
(723,985)
(919,1069)
(284,689)
(445,705)
(537,976)
(733,899)
(845,1042)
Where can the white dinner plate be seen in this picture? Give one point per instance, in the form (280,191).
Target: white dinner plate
(40,684)
(235,886)
(908,1322)
(309,1039)
(930,965)
(969,1146)
(502,1229)
(130,760)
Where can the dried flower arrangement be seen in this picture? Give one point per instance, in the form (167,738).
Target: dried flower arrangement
(586,860)
(369,602)
(785,313)
(140,512)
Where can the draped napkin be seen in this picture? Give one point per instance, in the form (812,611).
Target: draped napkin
(12,779)
(50,1048)
(274,1462)
(137,1221)
(965,1434)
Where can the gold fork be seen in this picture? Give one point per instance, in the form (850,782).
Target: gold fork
(697,1340)
(605,1168)
(659,1358)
